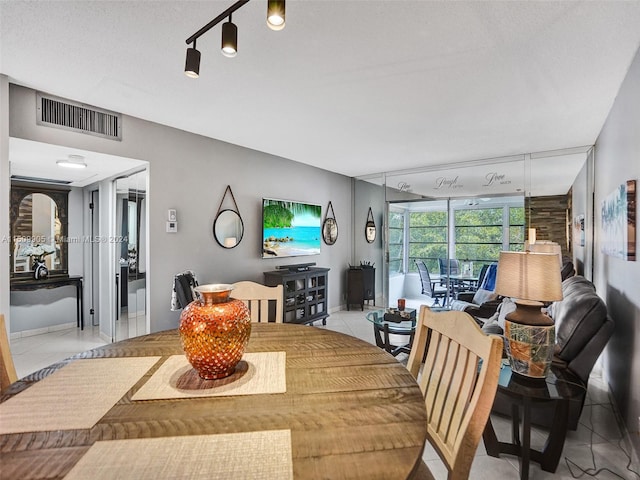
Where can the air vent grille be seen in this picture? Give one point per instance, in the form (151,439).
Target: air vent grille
(40,180)
(59,113)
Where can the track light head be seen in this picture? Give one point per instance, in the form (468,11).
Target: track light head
(275,14)
(229,39)
(192,65)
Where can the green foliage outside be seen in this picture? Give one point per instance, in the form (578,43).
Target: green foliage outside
(276,216)
(479,235)
(428,219)
(280,213)
(482,216)
(396,241)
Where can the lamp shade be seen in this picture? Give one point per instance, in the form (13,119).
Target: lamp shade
(547,247)
(529,276)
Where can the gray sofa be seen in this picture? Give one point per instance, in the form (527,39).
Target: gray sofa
(583,328)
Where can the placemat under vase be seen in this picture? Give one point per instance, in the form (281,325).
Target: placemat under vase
(262,455)
(257,373)
(74,397)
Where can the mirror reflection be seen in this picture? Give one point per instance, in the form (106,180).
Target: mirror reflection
(38,231)
(131,221)
(228,228)
(330,231)
(370,232)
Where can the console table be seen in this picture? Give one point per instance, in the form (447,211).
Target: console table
(30,284)
(305,293)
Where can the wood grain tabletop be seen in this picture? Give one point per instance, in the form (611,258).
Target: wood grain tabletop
(354,412)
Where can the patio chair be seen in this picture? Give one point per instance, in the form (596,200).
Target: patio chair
(257,297)
(457,367)
(429,288)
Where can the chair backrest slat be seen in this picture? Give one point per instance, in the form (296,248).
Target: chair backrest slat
(257,297)
(458,389)
(7,368)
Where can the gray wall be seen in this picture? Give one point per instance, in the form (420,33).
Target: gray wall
(190,173)
(369,195)
(4,198)
(617,159)
(579,207)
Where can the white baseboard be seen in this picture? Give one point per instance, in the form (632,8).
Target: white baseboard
(40,331)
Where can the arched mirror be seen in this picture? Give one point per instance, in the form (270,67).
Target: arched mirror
(370,228)
(228,228)
(38,219)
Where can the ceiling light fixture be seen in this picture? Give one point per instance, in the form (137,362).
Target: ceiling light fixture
(275,14)
(192,65)
(74,161)
(229,39)
(275,20)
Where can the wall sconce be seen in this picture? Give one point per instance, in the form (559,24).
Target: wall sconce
(275,21)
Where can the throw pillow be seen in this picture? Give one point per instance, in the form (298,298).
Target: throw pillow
(481,296)
(505,308)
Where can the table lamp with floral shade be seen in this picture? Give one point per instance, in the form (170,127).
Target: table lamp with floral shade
(532,280)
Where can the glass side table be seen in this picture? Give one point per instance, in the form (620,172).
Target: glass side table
(523,393)
(385,324)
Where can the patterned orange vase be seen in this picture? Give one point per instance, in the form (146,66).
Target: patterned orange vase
(214,331)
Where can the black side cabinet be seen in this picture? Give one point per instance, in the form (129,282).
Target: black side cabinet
(361,286)
(305,293)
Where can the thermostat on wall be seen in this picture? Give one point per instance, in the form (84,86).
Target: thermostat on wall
(172,227)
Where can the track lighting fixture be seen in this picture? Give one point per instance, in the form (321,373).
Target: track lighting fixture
(275,14)
(275,21)
(229,39)
(192,65)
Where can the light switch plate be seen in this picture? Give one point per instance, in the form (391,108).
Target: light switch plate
(171,215)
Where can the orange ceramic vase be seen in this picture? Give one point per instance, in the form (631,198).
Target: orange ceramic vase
(214,331)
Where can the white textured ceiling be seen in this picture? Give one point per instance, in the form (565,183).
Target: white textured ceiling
(354,87)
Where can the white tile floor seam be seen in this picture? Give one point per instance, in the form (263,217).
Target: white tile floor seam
(32,353)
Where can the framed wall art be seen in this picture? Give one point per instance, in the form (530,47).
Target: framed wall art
(619,222)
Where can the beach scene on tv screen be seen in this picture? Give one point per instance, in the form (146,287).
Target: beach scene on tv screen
(290,228)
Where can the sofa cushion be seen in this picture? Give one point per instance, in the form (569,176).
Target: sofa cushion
(578,317)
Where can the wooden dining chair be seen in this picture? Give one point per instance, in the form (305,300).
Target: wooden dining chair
(7,369)
(257,297)
(457,367)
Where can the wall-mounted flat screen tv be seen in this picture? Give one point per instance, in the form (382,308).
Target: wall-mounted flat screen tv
(290,229)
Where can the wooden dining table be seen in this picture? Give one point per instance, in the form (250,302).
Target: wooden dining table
(352,410)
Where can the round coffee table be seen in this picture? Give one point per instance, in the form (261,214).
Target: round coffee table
(385,324)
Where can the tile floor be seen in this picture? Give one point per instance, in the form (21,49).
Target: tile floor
(598,438)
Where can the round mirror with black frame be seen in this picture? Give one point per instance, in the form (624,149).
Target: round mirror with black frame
(330,227)
(330,231)
(370,228)
(228,228)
